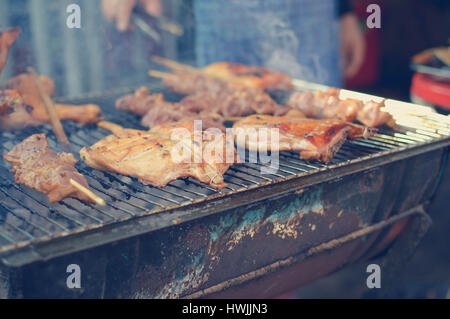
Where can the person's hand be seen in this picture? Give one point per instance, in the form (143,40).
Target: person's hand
(119,11)
(353,45)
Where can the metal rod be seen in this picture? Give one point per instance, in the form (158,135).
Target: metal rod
(23,219)
(20,204)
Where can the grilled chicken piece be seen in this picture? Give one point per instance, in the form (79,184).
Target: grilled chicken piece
(329,105)
(140,102)
(218,150)
(231,102)
(324,105)
(7,38)
(37,166)
(250,76)
(89,113)
(188,83)
(157,157)
(228,99)
(160,115)
(156,110)
(370,114)
(314,139)
(237,73)
(15,114)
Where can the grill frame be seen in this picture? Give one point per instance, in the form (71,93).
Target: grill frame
(90,236)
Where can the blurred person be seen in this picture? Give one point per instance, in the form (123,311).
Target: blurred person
(298,37)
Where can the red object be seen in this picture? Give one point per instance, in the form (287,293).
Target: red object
(431,90)
(368,74)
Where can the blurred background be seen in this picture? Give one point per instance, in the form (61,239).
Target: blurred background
(99,57)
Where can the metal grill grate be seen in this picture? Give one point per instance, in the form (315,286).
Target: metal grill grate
(26,217)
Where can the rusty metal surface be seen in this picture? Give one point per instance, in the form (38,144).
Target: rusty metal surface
(209,242)
(213,250)
(295,271)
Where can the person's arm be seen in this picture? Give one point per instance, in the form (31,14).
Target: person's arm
(353,44)
(119,11)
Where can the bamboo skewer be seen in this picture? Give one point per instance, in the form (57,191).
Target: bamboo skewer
(176,66)
(60,134)
(98,200)
(113,127)
(51,110)
(159,74)
(147,29)
(170,26)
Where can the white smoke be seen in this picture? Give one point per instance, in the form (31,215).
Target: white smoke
(279,50)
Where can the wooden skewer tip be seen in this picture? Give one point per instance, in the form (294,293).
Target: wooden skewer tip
(159,74)
(173,64)
(100,201)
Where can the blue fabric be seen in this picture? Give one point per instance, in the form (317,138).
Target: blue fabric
(298,37)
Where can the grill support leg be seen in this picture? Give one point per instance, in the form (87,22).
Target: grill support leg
(400,252)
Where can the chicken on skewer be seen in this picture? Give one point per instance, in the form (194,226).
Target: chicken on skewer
(314,139)
(249,76)
(37,166)
(156,110)
(329,105)
(228,99)
(221,79)
(157,157)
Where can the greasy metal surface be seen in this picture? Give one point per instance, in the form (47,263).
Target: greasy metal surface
(219,248)
(31,229)
(223,290)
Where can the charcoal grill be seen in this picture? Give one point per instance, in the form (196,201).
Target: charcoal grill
(260,236)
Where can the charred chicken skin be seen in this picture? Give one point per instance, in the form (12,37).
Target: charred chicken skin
(158,156)
(37,166)
(314,139)
(329,105)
